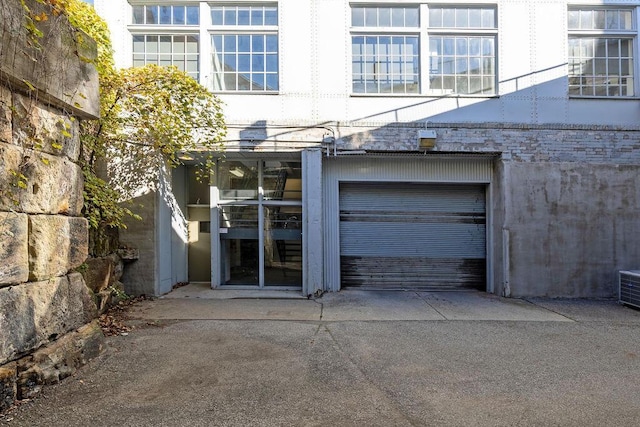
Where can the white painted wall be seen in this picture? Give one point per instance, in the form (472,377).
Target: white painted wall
(315,67)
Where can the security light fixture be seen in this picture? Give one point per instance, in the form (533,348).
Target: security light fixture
(426,139)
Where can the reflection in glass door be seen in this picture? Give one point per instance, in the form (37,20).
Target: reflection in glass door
(260,206)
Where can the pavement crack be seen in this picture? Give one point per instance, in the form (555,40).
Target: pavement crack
(432,307)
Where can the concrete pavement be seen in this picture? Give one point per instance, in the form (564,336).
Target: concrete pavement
(357,359)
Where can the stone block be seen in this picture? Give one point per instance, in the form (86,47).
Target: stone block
(14,250)
(58,360)
(102,272)
(64,75)
(5,114)
(57,244)
(38,312)
(53,184)
(39,127)
(8,389)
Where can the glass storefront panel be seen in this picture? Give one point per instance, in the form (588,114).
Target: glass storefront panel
(239,247)
(238,180)
(283,245)
(282,180)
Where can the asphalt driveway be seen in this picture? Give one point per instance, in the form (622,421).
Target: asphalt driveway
(357,358)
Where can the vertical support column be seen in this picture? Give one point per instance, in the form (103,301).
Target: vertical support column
(260,224)
(312,225)
(214,208)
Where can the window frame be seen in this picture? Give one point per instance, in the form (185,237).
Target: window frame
(145,30)
(264,30)
(424,32)
(601,34)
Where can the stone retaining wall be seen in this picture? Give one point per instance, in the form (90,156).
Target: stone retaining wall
(47,313)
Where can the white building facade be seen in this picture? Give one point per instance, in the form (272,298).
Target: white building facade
(398,144)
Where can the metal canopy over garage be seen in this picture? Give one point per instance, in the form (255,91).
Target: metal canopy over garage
(408,235)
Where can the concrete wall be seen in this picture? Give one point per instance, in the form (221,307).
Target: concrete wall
(47,313)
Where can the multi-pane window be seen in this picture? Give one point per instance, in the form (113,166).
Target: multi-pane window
(601,43)
(462,50)
(245,48)
(166,15)
(180,51)
(177,46)
(385,49)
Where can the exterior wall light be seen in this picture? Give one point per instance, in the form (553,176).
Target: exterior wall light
(426,139)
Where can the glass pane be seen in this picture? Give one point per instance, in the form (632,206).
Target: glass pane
(462,18)
(475,18)
(238,180)
(244,81)
(384,17)
(192,44)
(282,180)
(613,20)
(165,15)
(216,16)
(138,44)
(193,15)
(243,16)
(230,81)
(435,17)
(397,17)
(230,62)
(488,18)
(257,81)
(573,19)
(229,43)
(230,16)
(599,19)
(412,17)
(283,245)
(178,44)
(151,14)
(244,63)
(257,16)
(370,17)
(178,15)
(165,44)
(257,63)
(625,20)
(448,18)
(239,250)
(138,14)
(271,16)
(272,82)
(152,44)
(272,43)
(257,43)
(244,43)
(272,63)
(357,16)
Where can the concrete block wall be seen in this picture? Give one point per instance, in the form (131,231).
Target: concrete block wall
(48,321)
(565,203)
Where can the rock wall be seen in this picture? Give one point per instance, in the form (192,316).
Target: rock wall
(48,324)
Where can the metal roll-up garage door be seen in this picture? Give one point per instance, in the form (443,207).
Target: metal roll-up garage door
(407,235)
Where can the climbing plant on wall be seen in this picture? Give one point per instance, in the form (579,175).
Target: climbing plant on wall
(150,116)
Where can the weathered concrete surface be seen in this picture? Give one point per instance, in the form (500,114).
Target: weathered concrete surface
(58,360)
(14,251)
(38,312)
(374,373)
(572,226)
(57,244)
(54,184)
(140,276)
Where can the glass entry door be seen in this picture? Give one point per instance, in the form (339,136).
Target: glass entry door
(260,207)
